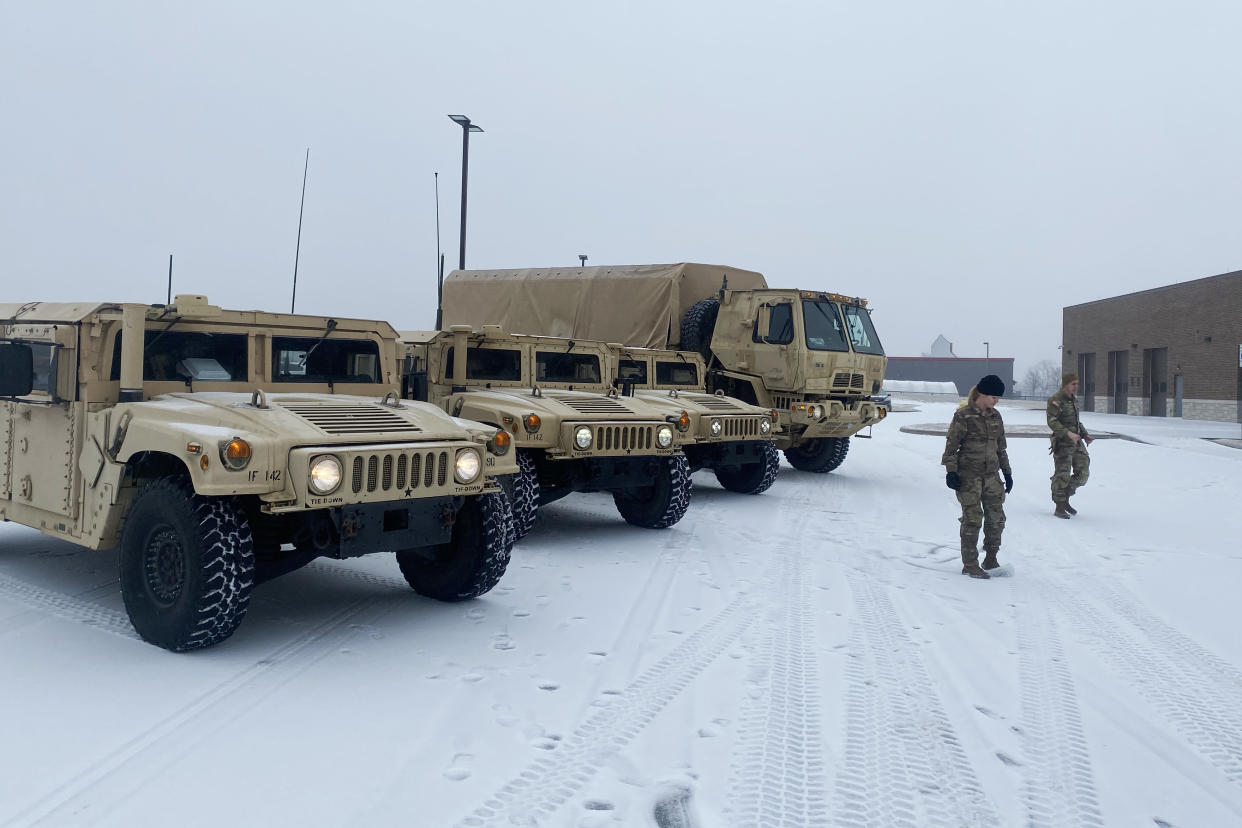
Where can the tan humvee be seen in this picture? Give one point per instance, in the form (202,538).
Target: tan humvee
(732,438)
(207,443)
(813,356)
(572,430)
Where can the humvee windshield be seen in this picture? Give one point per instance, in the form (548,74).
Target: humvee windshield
(862,333)
(554,366)
(311,359)
(632,370)
(676,373)
(494,364)
(823,326)
(177,356)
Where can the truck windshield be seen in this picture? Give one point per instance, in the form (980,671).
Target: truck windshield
(556,366)
(862,334)
(632,370)
(676,373)
(310,359)
(198,356)
(489,364)
(823,326)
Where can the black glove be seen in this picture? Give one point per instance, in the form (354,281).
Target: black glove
(1008,482)
(953,480)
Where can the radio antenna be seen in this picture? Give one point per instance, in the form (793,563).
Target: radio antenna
(297,251)
(439,262)
(169,279)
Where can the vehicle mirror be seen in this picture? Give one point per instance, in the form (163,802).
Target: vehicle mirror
(763,322)
(16,369)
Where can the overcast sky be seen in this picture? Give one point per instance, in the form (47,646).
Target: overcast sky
(969,167)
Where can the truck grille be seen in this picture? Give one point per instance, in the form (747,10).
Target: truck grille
(740,426)
(397,471)
(591,405)
(847,380)
(623,437)
(353,419)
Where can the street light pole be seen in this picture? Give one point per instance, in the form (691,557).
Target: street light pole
(987,355)
(466,128)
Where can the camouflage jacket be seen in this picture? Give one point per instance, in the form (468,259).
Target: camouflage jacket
(1063,417)
(976,442)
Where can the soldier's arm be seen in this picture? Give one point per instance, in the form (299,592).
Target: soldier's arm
(953,442)
(1002,449)
(1054,418)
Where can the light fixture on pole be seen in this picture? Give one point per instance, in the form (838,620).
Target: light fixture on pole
(987,355)
(582,257)
(467,127)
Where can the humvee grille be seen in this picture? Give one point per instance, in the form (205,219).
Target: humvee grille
(740,426)
(847,380)
(352,419)
(591,405)
(625,438)
(387,471)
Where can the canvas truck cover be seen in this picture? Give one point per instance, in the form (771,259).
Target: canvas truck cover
(637,305)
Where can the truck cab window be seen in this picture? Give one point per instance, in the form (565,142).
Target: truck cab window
(676,373)
(558,366)
(823,326)
(632,370)
(310,359)
(780,326)
(861,331)
(491,364)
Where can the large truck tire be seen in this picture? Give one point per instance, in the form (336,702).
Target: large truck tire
(473,561)
(697,327)
(820,455)
(186,566)
(753,478)
(523,491)
(661,504)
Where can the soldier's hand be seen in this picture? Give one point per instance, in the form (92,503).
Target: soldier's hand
(1008,482)
(1073,435)
(1088,439)
(953,480)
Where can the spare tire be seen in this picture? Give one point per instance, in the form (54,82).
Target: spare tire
(697,327)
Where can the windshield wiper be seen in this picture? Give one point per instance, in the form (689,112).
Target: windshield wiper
(331,327)
(159,335)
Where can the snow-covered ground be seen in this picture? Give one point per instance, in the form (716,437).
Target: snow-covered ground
(808,657)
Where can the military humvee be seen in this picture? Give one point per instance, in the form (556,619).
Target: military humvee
(732,438)
(573,432)
(220,448)
(813,356)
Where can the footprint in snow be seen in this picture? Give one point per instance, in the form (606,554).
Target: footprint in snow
(459,768)
(1008,760)
(987,712)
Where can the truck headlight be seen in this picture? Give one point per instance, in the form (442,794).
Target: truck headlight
(325,474)
(765,426)
(664,436)
(816,412)
(466,467)
(716,427)
(582,437)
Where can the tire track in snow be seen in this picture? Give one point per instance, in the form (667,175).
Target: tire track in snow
(98,789)
(903,763)
(74,608)
(1058,786)
(778,778)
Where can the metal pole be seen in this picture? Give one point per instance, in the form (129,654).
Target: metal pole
(298,250)
(170,278)
(465,170)
(439,261)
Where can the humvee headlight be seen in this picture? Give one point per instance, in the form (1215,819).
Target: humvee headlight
(816,411)
(531,423)
(716,427)
(500,443)
(325,474)
(235,453)
(765,426)
(664,436)
(467,466)
(582,437)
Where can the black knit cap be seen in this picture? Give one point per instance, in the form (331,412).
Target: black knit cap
(991,385)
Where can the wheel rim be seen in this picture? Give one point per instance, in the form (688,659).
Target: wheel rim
(164,566)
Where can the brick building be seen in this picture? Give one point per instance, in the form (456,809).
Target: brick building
(1172,351)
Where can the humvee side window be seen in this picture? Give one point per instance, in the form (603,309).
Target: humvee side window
(493,364)
(177,356)
(632,370)
(823,327)
(780,328)
(862,333)
(557,366)
(310,359)
(676,373)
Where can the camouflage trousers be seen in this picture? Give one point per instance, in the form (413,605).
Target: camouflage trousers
(982,498)
(1070,467)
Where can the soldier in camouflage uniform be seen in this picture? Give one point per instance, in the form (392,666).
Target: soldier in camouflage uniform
(974,452)
(1070,461)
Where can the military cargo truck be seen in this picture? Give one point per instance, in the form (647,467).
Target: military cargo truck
(813,356)
(220,448)
(572,431)
(731,438)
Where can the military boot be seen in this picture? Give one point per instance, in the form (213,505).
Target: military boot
(1070,508)
(1061,511)
(974,571)
(989,559)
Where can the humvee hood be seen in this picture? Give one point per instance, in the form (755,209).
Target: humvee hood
(569,404)
(318,418)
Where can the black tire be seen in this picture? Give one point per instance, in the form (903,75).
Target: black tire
(187,566)
(523,491)
(473,561)
(697,327)
(753,478)
(661,504)
(819,455)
